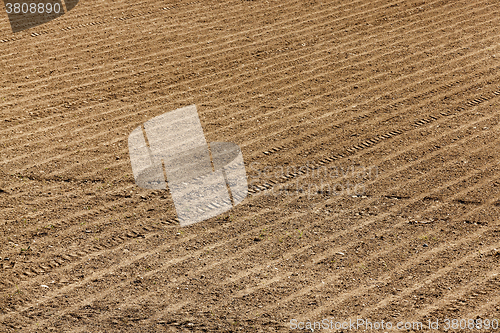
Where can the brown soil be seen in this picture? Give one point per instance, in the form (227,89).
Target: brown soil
(404,92)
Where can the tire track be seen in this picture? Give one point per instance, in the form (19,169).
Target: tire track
(287,177)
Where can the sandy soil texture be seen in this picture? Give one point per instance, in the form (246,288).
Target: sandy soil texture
(370,134)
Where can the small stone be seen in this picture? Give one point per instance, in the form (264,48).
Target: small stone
(425,245)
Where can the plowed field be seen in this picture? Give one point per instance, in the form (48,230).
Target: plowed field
(370,131)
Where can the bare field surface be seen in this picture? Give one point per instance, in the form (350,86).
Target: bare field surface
(370,135)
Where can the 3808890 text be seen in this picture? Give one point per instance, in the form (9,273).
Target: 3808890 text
(32,8)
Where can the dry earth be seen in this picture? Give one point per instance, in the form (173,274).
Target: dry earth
(405,92)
